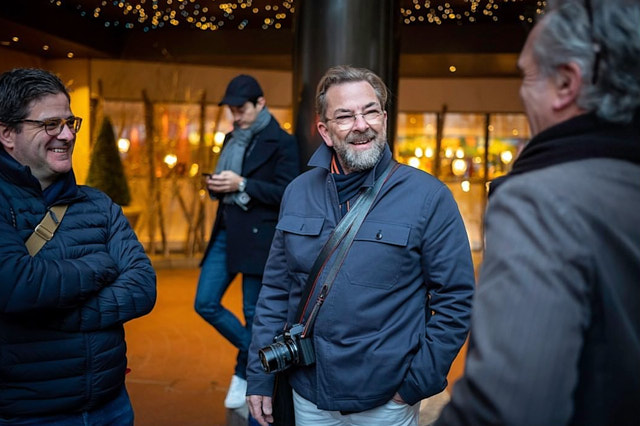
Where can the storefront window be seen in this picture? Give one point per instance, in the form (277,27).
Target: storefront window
(175,203)
(416,140)
(508,134)
(180,156)
(464,160)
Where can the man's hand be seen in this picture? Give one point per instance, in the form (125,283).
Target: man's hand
(398,399)
(260,408)
(224,182)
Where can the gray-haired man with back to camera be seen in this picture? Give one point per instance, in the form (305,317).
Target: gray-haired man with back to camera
(555,337)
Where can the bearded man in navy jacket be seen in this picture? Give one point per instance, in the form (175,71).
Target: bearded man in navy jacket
(398,311)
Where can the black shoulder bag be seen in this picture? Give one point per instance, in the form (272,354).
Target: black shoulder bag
(342,237)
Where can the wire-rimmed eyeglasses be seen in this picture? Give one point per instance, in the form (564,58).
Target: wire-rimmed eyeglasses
(346,121)
(54,126)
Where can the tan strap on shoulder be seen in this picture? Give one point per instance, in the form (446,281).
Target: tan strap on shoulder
(45,229)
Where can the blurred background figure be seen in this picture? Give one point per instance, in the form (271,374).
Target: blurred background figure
(257,161)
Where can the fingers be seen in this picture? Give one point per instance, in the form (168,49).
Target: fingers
(225,181)
(267,408)
(260,409)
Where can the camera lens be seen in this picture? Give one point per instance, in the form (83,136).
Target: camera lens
(277,356)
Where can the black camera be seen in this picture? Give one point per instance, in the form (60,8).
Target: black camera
(287,349)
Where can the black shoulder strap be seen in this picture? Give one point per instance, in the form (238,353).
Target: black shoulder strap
(344,233)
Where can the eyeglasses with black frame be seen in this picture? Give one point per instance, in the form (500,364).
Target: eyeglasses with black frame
(346,121)
(54,126)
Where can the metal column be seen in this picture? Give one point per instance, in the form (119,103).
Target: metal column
(361,33)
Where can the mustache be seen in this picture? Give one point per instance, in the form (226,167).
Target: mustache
(361,136)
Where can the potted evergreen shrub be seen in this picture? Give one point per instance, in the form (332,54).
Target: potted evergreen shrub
(106,171)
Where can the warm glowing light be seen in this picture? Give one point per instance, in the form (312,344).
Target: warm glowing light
(465,185)
(218,138)
(194,138)
(452,68)
(418,152)
(194,169)
(170,160)
(506,157)
(70,55)
(429,153)
(515,132)
(448,153)
(216,149)
(123,145)
(45,47)
(15,39)
(414,162)
(459,167)
(459,153)
(286,125)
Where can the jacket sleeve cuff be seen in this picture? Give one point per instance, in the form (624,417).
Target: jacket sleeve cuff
(261,385)
(412,396)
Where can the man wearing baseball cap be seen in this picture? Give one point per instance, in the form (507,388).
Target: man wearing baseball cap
(257,161)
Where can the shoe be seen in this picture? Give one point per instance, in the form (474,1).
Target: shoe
(237,393)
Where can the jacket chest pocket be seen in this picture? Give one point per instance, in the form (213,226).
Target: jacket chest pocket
(378,254)
(301,240)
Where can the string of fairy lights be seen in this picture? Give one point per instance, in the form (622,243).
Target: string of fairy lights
(212,15)
(439,12)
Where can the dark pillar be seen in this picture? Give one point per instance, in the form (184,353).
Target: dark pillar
(361,33)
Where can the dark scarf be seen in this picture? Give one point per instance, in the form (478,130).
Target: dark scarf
(61,188)
(578,138)
(349,185)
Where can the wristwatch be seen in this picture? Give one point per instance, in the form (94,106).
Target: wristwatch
(242,185)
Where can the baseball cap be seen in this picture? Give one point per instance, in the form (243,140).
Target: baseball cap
(240,90)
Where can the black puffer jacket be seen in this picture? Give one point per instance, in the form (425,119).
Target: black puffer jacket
(62,345)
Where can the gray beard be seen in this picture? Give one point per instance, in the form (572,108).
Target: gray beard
(358,161)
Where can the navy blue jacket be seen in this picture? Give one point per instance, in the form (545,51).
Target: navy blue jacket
(270,163)
(399,309)
(62,347)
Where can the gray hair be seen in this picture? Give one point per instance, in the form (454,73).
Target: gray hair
(569,36)
(345,74)
(22,86)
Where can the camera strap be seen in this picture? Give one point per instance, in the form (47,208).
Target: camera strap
(343,236)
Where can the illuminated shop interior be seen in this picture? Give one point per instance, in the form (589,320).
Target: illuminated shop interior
(167,62)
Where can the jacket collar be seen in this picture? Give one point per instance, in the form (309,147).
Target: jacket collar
(63,190)
(579,138)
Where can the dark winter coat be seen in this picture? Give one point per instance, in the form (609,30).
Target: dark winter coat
(62,345)
(270,163)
